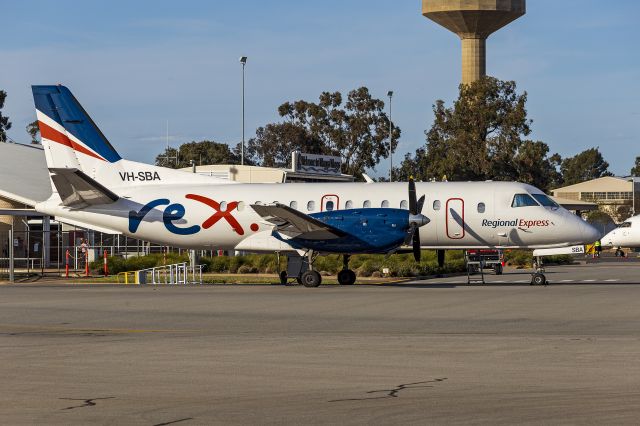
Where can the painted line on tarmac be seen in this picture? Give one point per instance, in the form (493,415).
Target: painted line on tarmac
(36,328)
(589,281)
(566,281)
(612,280)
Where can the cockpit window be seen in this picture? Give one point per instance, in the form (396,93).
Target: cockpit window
(523,200)
(545,200)
(625,225)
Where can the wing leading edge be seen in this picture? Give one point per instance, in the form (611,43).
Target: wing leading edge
(295,224)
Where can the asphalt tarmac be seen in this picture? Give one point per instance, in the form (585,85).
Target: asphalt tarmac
(429,352)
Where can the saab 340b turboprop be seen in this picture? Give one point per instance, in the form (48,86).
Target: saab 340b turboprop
(95,188)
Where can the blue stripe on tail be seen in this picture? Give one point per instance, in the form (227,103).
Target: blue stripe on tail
(60,105)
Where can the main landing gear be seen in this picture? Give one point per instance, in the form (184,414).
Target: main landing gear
(346,276)
(301,269)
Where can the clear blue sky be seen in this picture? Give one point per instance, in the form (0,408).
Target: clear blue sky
(135,64)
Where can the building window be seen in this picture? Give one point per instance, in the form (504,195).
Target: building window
(384,204)
(436,205)
(404,205)
(366,204)
(293,205)
(481,207)
(311,206)
(348,204)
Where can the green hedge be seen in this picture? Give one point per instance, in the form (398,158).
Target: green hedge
(400,265)
(524,258)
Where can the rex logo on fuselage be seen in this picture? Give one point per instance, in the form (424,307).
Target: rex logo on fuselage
(175,211)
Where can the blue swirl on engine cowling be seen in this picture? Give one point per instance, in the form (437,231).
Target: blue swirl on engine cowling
(367,231)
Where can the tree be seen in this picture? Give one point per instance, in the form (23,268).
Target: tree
(203,152)
(5,124)
(587,165)
(274,143)
(635,170)
(34,131)
(482,137)
(357,131)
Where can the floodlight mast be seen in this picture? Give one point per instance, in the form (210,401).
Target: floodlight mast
(243,61)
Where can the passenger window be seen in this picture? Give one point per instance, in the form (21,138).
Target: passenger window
(293,205)
(523,200)
(481,207)
(404,205)
(223,206)
(311,206)
(366,204)
(240,206)
(329,205)
(384,204)
(259,203)
(436,205)
(625,225)
(349,204)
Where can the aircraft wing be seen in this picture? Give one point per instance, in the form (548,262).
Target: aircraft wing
(77,190)
(293,223)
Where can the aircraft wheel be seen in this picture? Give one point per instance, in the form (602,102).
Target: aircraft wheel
(346,277)
(311,279)
(283,277)
(538,279)
(498,269)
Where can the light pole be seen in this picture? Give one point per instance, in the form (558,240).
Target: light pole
(633,196)
(243,61)
(390,95)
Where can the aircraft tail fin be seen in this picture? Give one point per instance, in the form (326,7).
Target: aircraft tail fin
(69,136)
(71,140)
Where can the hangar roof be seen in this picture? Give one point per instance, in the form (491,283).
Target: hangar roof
(603,184)
(24,176)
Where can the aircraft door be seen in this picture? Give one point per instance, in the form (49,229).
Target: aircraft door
(455,218)
(329,202)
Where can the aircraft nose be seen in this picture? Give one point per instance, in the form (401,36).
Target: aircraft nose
(590,234)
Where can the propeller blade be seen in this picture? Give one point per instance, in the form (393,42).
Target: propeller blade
(409,237)
(412,197)
(420,205)
(417,252)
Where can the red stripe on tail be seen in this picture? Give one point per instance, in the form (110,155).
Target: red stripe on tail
(54,135)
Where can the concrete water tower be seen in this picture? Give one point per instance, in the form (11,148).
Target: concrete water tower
(473,21)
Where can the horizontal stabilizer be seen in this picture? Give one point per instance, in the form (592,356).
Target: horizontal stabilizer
(77,190)
(293,223)
(97,228)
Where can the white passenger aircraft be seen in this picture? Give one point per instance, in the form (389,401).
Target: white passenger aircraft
(95,188)
(627,234)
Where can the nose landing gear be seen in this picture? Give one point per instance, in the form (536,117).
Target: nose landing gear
(537,277)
